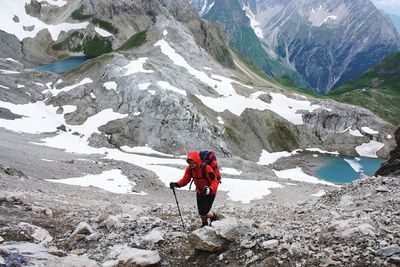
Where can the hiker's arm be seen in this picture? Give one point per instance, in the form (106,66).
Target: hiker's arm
(214,181)
(185,179)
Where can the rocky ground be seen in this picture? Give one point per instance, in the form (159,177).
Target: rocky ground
(49,224)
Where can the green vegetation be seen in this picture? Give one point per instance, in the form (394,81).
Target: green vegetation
(96,46)
(223,56)
(377,90)
(135,41)
(66,44)
(105,25)
(89,64)
(79,15)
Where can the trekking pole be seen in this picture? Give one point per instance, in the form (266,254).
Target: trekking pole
(179,210)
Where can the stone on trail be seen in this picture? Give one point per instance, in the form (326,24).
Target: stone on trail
(232,229)
(38,234)
(389,251)
(72,261)
(134,257)
(206,239)
(270,244)
(154,237)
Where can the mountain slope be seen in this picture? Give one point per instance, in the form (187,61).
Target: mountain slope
(234,18)
(327,43)
(378,89)
(396,21)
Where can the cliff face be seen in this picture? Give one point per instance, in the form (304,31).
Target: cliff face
(392,166)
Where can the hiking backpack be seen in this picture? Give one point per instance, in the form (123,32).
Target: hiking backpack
(208,158)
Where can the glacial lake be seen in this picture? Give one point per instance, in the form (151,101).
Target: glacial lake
(340,169)
(61,66)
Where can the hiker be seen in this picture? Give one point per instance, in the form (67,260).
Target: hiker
(206,187)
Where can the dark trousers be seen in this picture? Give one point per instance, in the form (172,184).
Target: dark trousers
(204,203)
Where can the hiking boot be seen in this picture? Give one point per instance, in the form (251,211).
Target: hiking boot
(214,218)
(203,224)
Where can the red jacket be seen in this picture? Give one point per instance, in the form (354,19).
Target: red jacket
(196,173)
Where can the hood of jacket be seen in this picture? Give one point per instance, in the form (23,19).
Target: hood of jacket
(195,156)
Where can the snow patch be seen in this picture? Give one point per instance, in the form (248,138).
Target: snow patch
(320,193)
(113,181)
(268,158)
(369,149)
(4,87)
(102,32)
(17,8)
(357,167)
(167,86)
(253,22)
(69,88)
(230,171)
(369,130)
(136,66)
(220,120)
(297,174)
(110,85)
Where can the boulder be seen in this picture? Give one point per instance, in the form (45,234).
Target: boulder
(232,229)
(137,257)
(38,234)
(270,244)
(206,239)
(389,251)
(153,237)
(72,261)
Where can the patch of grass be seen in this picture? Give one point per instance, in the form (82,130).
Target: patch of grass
(96,46)
(135,41)
(89,64)
(232,134)
(66,43)
(105,25)
(79,15)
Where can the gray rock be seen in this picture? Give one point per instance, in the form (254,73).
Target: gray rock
(15,19)
(138,257)
(382,189)
(153,237)
(232,229)
(205,239)
(1,239)
(248,244)
(389,251)
(38,234)
(270,244)
(73,261)
(395,258)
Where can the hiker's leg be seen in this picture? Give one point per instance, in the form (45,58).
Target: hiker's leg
(202,209)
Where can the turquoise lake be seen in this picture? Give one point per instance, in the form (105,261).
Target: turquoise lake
(340,169)
(62,66)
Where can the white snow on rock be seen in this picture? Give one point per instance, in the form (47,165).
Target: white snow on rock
(268,158)
(322,151)
(59,3)
(167,86)
(11,59)
(37,118)
(230,171)
(369,130)
(143,86)
(319,193)
(253,22)
(102,32)
(69,88)
(297,174)
(136,66)
(206,7)
(113,181)
(355,132)
(247,190)
(4,87)
(8,71)
(144,150)
(17,8)
(357,167)
(369,149)
(110,85)
(20,86)
(165,32)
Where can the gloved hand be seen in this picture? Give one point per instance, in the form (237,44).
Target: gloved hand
(173,185)
(207,190)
